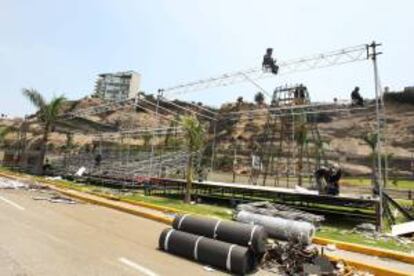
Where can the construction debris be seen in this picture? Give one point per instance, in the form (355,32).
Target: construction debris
(365,227)
(293,258)
(54,178)
(280,228)
(80,172)
(6,183)
(55,199)
(369,232)
(279,210)
(290,258)
(403,229)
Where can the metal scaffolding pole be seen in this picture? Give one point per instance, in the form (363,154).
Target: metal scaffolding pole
(213,147)
(153,133)
(372,53)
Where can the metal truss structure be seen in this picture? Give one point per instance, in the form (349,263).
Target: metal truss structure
(323,60)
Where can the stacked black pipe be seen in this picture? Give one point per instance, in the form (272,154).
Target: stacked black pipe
(235,247)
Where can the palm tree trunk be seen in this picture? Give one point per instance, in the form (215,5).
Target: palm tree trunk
(374,169)
(189,177)
(42,153)
(300,164)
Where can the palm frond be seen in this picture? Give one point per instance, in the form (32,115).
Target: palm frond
(54,107)
(35,97)
(4,131)
(371,139)
(194,132)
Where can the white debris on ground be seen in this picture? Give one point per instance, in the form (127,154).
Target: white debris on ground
(55,199)
(6,183)
(54,178)
(403,228)
(81,171)
(305,191)
(369,232)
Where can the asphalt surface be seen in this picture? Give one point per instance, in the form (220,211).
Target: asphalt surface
(38,237)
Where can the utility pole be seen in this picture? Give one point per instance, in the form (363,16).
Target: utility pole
(372,54)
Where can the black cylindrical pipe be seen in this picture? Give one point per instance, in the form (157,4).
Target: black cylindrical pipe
(251,236)
(234,258)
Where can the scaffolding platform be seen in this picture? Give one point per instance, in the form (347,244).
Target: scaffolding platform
(350,206)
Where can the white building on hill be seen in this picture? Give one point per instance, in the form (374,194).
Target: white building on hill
(117,86)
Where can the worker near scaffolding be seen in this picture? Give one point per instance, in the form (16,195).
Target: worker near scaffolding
(356,98)
(98,160)
(327,180)
(300,94)
(269,64)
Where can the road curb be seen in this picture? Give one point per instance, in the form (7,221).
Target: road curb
(376,270)
(87,198)
(367,250)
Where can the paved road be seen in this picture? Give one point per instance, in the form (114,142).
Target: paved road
(44,238)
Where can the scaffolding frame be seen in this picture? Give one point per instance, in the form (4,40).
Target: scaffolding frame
(338,57)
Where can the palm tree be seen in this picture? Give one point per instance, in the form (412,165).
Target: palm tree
(146,136)
(48,115)
(194,133)
(3,133)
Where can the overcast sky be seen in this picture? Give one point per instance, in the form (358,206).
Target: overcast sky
(58,47)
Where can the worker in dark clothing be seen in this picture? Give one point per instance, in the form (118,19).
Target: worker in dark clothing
(335,174)
(356,98)
(320,177)
(98,159)
(269,63)
(327,180)
(300,94)
(47,168)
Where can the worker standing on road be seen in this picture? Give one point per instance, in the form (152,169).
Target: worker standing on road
(269,62)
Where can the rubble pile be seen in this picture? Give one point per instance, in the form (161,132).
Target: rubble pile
(288,258)
(293,258)
(369,231)
(6,183)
